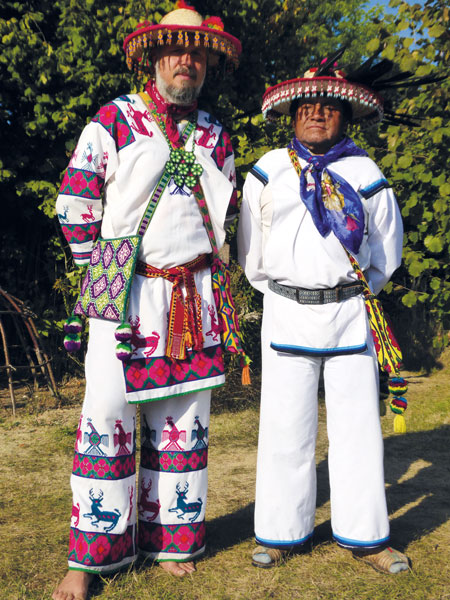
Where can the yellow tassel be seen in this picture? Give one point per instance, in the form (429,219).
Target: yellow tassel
(399,424)
(188,339)
(246,375)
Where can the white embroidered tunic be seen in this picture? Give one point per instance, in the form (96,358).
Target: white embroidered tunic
(118,161)
(278,240)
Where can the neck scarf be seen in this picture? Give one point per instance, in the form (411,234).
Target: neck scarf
(332,202)
(170,112)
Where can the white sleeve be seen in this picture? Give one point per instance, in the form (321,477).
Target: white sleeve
(385,238)
(250,233)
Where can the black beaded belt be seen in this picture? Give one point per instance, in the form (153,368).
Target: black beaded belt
(325,296)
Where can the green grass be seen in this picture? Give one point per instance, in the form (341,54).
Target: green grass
(35,507)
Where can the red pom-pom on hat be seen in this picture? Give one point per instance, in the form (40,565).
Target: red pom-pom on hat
(183,4)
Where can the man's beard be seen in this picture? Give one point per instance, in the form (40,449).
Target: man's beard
(175,95)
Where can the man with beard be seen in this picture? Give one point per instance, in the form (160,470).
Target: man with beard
(153,147)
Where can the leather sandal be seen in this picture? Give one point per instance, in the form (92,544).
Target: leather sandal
(266,558)
(386,560)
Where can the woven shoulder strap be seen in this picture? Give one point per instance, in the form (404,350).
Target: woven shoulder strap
(167,174)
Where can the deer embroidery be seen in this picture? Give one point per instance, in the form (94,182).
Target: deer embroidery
(98,515)
(215,330)
(145,505)
(76,513)
(186,507)
(138,120)
(121,439)
(173,436)
(89,216)
(79,434)
(140,341)
(63,217)
(207,134)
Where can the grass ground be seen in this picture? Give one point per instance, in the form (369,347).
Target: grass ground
(35,505)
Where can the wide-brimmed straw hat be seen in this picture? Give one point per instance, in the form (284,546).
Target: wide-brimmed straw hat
(360,87)
(366,104)
(182,26)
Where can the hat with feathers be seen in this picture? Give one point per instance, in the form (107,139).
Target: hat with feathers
(360,87)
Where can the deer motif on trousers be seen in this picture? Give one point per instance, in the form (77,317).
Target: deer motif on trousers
(145,505)
(98,515)
(186,507)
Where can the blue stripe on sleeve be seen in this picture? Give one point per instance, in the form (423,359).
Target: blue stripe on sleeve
(374,188)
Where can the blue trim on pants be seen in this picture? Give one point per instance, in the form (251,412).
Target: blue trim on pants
(282,544)
(348,543)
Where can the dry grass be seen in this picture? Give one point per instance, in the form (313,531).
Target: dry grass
(35,507)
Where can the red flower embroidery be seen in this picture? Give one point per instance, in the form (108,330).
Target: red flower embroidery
(100,549)
(165,461)
(137,374)
(160,372)
(184,538)
(86,465)
(78,543)
(200,536)
(107,114)
(201,364)
(157,538)
(220,154)
(101,468)
(179,370)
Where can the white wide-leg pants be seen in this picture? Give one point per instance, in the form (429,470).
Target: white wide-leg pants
(169,500)
(286,468)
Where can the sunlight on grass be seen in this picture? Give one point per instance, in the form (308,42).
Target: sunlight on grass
(35,507)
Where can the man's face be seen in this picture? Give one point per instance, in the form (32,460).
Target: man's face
(180,72)
(319,123)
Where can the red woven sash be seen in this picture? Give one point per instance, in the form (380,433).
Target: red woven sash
(185,315)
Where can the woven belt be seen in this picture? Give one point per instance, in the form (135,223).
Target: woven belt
(325,296)
(185,314)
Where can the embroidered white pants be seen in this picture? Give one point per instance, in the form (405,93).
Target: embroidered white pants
(286,468)
(172,483)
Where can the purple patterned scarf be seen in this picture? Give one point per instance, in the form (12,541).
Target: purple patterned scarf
(332,202)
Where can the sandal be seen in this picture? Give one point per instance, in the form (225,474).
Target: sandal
(386,560)
(266,558)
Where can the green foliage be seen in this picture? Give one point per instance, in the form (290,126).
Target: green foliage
(417,163)
(61,60)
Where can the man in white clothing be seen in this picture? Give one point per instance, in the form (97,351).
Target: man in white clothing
(306,209)
(122,161)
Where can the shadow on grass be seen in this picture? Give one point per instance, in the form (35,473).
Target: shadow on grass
(417,473)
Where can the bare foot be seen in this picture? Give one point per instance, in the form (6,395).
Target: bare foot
(179,569)
(74,586)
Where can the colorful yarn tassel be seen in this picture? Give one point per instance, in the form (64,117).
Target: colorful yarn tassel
(245,365)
